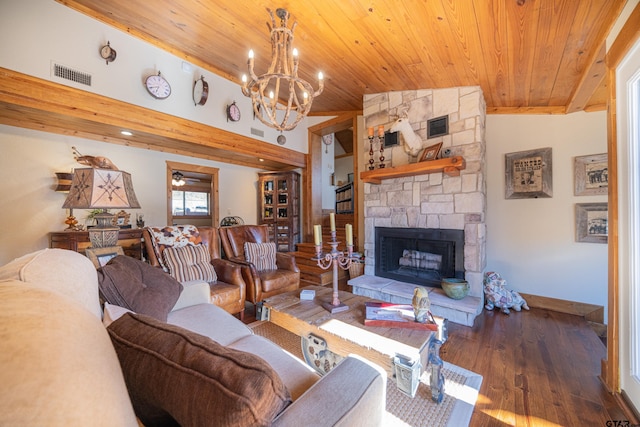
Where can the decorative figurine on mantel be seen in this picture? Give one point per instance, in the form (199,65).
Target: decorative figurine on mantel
(412,141)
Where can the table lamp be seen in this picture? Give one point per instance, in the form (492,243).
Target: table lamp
(102,189)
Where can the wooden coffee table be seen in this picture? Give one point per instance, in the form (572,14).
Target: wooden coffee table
(345,333)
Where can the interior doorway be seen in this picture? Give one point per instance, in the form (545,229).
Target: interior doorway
(192,195)
(312,176)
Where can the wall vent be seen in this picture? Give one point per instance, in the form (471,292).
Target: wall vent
(437,127)
(257,132)
(68,73)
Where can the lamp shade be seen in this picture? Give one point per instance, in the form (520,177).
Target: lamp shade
(101,189)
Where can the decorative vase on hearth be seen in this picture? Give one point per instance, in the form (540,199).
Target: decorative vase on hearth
(455,288)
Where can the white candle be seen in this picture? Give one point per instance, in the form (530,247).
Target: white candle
(349,232)
(317,234)
(332,221)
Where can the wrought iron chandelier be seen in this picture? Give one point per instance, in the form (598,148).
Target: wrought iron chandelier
(281,81)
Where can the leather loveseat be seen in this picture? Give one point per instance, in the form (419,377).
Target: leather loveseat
(60,367)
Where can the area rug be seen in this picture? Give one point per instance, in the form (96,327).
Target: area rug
(461,389)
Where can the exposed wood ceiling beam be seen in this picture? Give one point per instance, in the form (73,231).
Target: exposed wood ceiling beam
(70,111)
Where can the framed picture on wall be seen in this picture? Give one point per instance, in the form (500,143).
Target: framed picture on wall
(592,222)
(591,175)
(528,174)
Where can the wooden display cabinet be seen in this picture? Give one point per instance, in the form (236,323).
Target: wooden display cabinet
(279,207)
(130,239)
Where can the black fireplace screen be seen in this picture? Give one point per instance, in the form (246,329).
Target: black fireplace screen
(422,256)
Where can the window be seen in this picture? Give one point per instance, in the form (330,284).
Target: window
(190,203)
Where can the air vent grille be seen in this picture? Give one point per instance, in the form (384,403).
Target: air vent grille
(257,132)
(70,74)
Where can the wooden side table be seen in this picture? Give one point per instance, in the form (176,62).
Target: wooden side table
(130,239)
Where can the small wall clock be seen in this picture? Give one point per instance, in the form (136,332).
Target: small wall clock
(200,91)
(158,86)
(108,53)
(233,112)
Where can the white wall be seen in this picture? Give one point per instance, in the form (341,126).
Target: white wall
(31,208)
(33,33)
(531,242)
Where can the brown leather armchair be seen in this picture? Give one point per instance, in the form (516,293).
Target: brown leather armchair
(260,284)
(229,291)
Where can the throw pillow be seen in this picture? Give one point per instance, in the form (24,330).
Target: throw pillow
(172,236)
(177,377)
(189,263)
(261,255)
(137,286)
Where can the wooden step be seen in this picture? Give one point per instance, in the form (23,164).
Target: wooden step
(311,273)
(310,248)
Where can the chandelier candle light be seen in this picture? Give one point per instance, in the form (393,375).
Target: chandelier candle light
(281,80)
(334,259)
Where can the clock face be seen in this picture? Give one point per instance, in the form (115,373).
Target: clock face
(158,86)
(233,112)
(108,53)
(200,91)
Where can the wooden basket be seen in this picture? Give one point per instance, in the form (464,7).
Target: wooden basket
(356,269)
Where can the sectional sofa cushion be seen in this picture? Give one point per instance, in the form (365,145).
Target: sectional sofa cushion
(79,281)
(175,376)
(139,287)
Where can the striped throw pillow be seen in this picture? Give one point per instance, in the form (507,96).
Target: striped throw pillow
(261,255)
(190,262)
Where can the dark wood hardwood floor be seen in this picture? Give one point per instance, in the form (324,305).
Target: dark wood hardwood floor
(539,368)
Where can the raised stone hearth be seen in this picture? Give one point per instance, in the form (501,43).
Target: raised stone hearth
(428,199)
(462,311)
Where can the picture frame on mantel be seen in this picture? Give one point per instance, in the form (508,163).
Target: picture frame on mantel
(591,175)
(528,174)
(431,152)
(592,222)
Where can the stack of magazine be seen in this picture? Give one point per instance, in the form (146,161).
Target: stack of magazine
(392,315)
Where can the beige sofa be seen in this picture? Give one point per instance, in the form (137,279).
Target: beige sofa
(59,365)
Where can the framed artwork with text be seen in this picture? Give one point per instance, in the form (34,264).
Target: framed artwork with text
(528,174)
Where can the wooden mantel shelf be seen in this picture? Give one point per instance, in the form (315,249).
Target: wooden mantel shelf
(450,166)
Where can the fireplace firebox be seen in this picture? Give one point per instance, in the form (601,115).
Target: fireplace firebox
(422,256)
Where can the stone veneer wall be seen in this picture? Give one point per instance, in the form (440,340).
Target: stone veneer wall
(431,200)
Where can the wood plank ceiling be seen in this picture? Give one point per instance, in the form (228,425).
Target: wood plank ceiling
(529,56)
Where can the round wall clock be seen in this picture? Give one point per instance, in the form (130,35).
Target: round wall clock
(200,91)
(108,53)
(233,112)
(158,86)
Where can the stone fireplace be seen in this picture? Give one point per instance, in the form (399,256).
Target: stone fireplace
(430,201)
